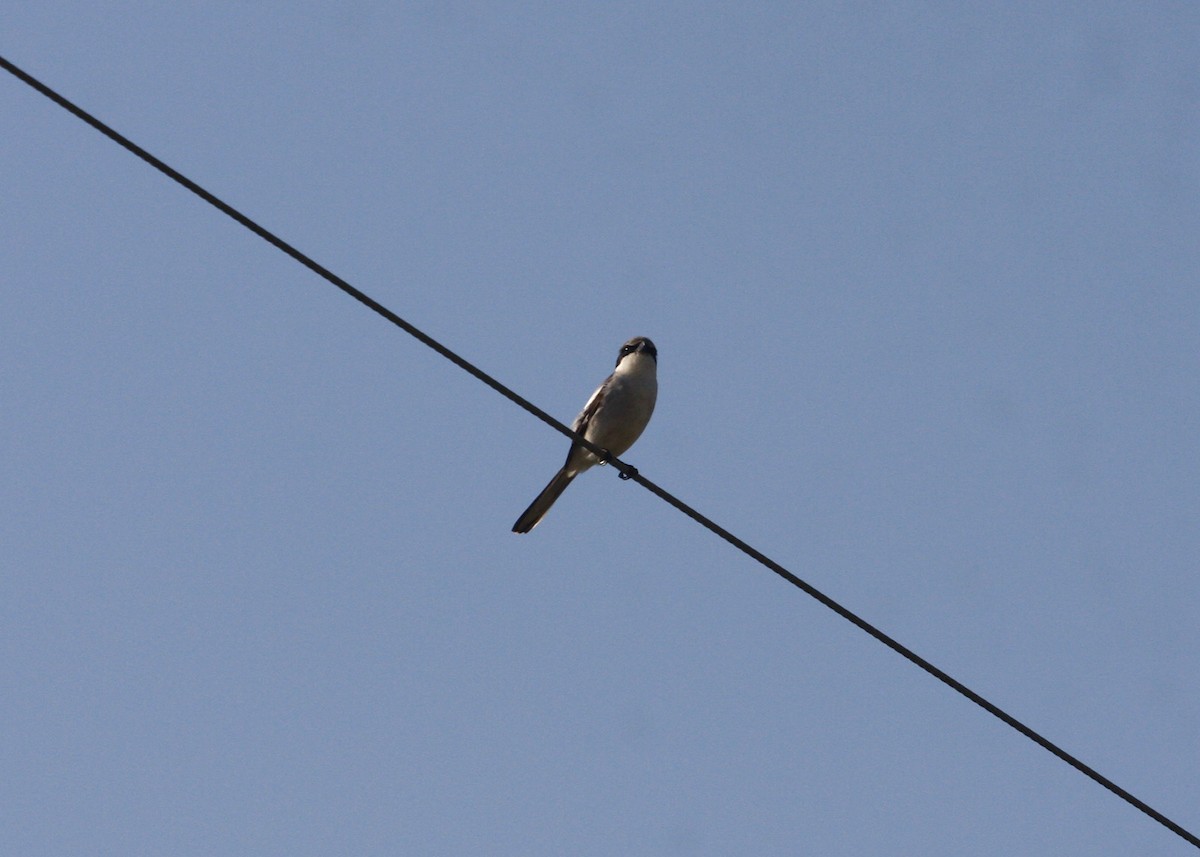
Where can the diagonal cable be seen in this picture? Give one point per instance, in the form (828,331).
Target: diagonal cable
(626,471)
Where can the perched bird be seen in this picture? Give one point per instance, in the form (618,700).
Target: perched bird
(613,418)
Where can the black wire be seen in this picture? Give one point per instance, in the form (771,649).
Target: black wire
(626,470)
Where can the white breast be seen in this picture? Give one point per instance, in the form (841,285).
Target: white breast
(628,404)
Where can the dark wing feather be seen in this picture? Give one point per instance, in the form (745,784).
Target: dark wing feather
(584,420)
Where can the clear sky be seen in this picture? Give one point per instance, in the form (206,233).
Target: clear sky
(925,284)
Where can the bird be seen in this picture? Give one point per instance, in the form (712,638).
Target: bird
(613,418)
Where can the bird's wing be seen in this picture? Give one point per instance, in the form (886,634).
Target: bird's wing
(577,456)
(584,419)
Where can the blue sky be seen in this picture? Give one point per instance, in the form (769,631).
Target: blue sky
(923,279)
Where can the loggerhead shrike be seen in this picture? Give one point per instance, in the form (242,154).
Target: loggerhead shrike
(613,418)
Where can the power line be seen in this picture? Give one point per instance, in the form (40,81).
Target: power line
(626,471)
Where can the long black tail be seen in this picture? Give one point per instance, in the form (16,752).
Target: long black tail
(542,503)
